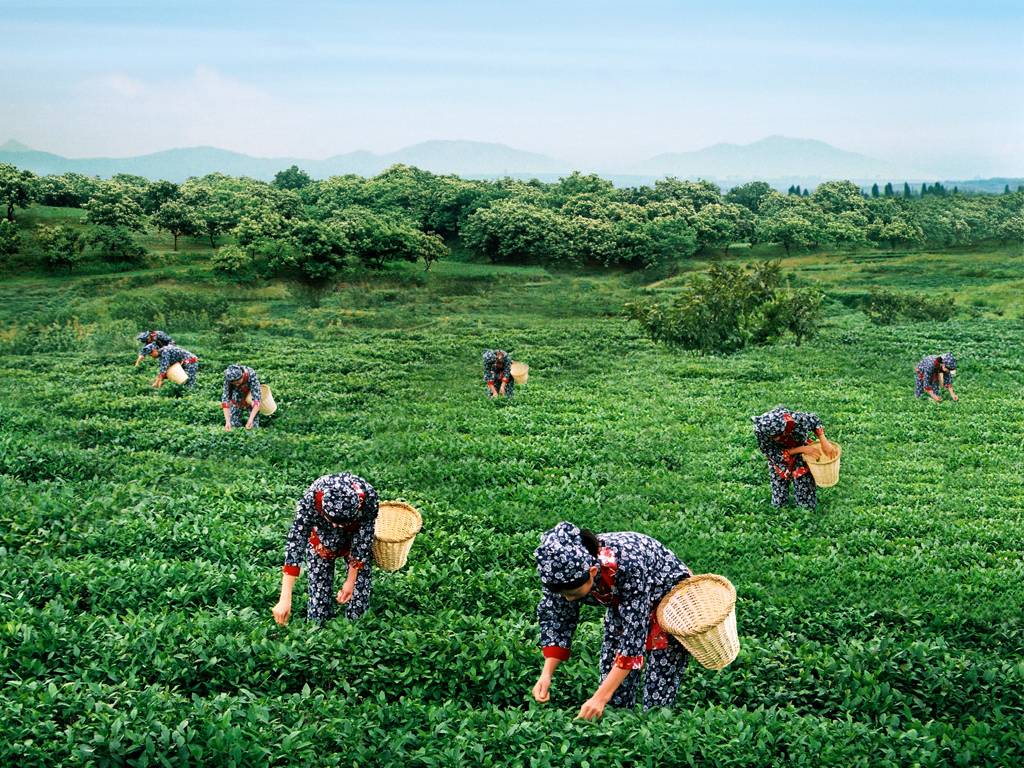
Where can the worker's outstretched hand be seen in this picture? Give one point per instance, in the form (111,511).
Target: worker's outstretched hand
(542,689)
(345,593)
(281,612)
(592,709)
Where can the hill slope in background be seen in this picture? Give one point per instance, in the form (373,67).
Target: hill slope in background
(775,157)
(778,160)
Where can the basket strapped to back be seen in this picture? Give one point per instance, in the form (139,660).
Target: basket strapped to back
(395,530)
(701,614)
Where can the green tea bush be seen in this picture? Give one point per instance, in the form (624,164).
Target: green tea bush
(142,544)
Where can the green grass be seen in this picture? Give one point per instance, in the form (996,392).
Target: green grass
(143,544)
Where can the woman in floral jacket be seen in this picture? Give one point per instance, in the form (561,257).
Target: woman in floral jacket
(628,574)
(170,355)
(784,437)
(159,338)
(498,380)
(934,373)
(240,381)
(334,520)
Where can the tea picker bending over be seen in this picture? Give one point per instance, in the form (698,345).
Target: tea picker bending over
(933,373)
(240,381)
(784,438)
(334,520)
(498,373)
(627,573)
(170,355)
(159,338)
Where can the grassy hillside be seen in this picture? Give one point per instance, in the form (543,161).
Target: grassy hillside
(143,544)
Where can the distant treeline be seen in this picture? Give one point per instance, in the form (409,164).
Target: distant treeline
(297,226)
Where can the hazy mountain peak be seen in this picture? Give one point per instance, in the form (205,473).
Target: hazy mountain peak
(775,157)
(15,146)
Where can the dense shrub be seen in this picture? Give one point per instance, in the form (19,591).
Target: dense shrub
(233,261)
(62,245)
(731,307)
(10,238)
(885,307)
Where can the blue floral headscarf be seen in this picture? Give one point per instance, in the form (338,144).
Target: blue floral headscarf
(561,557)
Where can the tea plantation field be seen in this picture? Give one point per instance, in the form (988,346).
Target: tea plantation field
(142,544)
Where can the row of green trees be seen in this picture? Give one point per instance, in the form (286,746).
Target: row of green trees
(308,228)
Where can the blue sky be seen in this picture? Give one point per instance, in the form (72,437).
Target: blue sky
(602,84)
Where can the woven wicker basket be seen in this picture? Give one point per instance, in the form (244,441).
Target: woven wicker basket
(396,529)
(520,372)
(701,614)
(267,404)
(825,471)
(177,374)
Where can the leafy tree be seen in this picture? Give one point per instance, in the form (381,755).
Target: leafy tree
(116,245)
(262,224)
(17,188)
(61,244)
(874,190)
(509,230)
(838,197)
(1012,230)
(588,240)
(292,178)
(131,185)
(888,191)
(158,193)
(451,200)
(696,194)
(718,225)
(906,190)
(670,238)
(215,202)
(792,222)
(376,240)
(899,231)
(749,195)
(178,219)
(579,184)
(847,228)
(113,206)
(69,190)
(1006,189)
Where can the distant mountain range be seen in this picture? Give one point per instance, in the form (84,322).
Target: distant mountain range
(465,158)
(778,160)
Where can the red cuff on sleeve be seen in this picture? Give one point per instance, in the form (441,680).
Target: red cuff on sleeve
(927,389)
(291,570)
(556,652)
(355,564)
(161,375)
(225,406)
(629,662)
